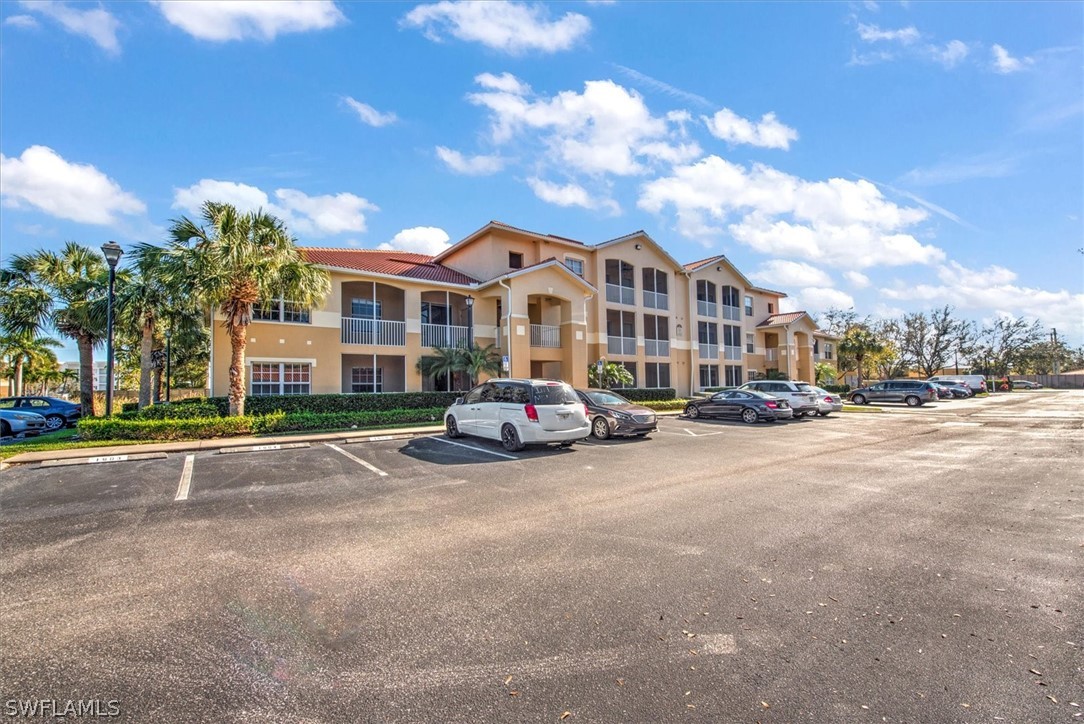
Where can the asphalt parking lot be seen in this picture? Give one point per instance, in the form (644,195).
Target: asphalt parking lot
(914,565)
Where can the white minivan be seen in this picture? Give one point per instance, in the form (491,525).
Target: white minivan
(520,412)
(977,383)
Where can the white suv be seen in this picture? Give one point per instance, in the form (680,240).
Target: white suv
(800,395)
(519,413)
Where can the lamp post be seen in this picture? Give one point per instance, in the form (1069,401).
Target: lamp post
(169,339)
(469,301)
(112,252)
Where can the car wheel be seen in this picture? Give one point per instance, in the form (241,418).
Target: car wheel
(5,429)
(858,400)
(54,422)
(824,414)
(913,401)
(692,411)
(510,439)
(451,428)
(600,429)
(565,444)
(749,415)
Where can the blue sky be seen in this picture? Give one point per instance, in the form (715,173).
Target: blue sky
(890,156)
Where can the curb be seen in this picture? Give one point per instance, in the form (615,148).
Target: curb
(102,459)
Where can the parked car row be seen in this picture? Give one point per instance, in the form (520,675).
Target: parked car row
(57,413)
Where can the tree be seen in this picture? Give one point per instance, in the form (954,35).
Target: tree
(28,358)
(612,374)
(930,338)
(824,373)
(234,260)
(77,280)
(1003,342)
(858,342)
(472,360)
(24,312)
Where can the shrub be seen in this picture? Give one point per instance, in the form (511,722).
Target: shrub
(664,405)
(642,394)
(96,428)
(129,407)
(838,389)
(178,412)
(298,421)
(359,402)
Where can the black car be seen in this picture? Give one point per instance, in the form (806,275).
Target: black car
(57,413)
(748,405)
(611,414)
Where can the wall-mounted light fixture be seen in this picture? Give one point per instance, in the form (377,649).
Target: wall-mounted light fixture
(639,246)
(718,268)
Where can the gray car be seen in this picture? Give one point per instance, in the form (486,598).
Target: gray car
(912,392)
(827,402)
(800,395)
(18,422)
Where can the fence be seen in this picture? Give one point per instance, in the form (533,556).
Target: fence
(1058,382)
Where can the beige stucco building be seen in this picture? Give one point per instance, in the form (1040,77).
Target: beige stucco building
(552,305)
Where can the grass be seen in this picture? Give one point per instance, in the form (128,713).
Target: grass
(59,440)
(861,408)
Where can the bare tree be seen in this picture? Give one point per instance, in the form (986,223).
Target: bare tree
(929,338)
(1003,343)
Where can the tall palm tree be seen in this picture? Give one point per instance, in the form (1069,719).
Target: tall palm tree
(77,280)
(475,360)
(28,358)
(234,260)
(444,362)
(24,312)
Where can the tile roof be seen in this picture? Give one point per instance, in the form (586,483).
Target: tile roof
(394,263)
(775,319)
(702,262)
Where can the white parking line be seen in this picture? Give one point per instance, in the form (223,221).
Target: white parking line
(476,449)
(186,478)
(356,459)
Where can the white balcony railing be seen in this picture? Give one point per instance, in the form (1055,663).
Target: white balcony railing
(544,335)
(771,354)
(657,347)
(707,309)
(656,300)
(732,353)
(732,313)
(621,345)
(356,330)
(709,351)
(620,295)
(443,335)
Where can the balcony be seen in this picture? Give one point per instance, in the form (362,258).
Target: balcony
(357,330)
(656,300)
(732,353)
(709,351)
(544,335)
(732,313)
(657,347)
(443,335)
(707,309)
(620,295)
(771,354)
(621,345)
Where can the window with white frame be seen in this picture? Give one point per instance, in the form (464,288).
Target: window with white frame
(709,376)
(365,308)
(367,379)
(279,310)
(576,265)
(280,378)
(748,306)
(434,313)
(657,374)
(733,375)
(750,343)
(828,350)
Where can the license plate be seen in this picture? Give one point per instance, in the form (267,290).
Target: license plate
(563,415)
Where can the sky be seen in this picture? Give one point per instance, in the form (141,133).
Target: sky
(886,156)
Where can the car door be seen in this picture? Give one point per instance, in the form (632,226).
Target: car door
(466,414)
(714,405)
(489,409)
(737,401)
(878,392)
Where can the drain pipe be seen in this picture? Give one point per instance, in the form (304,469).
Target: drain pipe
(587,327)
(509,318)
(693,373)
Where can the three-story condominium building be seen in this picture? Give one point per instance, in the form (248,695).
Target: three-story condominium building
(553,306)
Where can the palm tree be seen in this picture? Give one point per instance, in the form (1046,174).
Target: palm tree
(858,342)
(475,360)
(445,362)
(28,357)
(235,260)
(24,312)
(76,278)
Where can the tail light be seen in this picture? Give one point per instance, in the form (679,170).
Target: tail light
(771,404)
(586,412)
(532,412)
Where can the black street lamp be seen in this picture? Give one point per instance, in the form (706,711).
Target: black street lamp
(169,338)
(470,321)
(112,252)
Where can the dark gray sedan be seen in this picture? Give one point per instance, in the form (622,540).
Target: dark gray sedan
(611,414)
(57,413)
(746,405)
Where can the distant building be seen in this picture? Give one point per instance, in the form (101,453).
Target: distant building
(100,375)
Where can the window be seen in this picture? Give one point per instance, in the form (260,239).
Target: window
(731,335)
(708,332)
(657,374)
(576,265)
(656,327)
(748,306)
(709,376)
(771,308)
(367,379)
(515,260)
(752,374)
(365,308)
(278,310)
(828,350)
(434,313)
(619,273)
(280,378)
(733,375)
(731,300)
(655,289)
(750,343)
(705,291)
(816,347)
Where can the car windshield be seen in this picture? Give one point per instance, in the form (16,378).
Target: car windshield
(605,398)
(762,395)
(554,393)
(803,386)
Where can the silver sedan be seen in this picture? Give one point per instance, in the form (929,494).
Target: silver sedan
(27,424)
(827,402)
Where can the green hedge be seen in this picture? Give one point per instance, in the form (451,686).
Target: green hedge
(361,402)
(664,405)
(838,389)
(201,428)
(129,407)
(178,412)
(298,421)
(642,394)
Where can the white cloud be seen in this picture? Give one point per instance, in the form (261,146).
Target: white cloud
(21,21)
(97,24)
(662,87)
(857,279)
(874,34)
(505,83)
(510,27)
(244,19)
(472,166)
(429,240)
(1005,63)
(986,165)
(993,292)
(570,195)
(768,133)
(41,178)
(303,214)
(368,114)
(790,274)
(948,56)
(821,299)
(835,221)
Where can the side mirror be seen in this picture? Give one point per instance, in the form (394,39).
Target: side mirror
(459,400)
